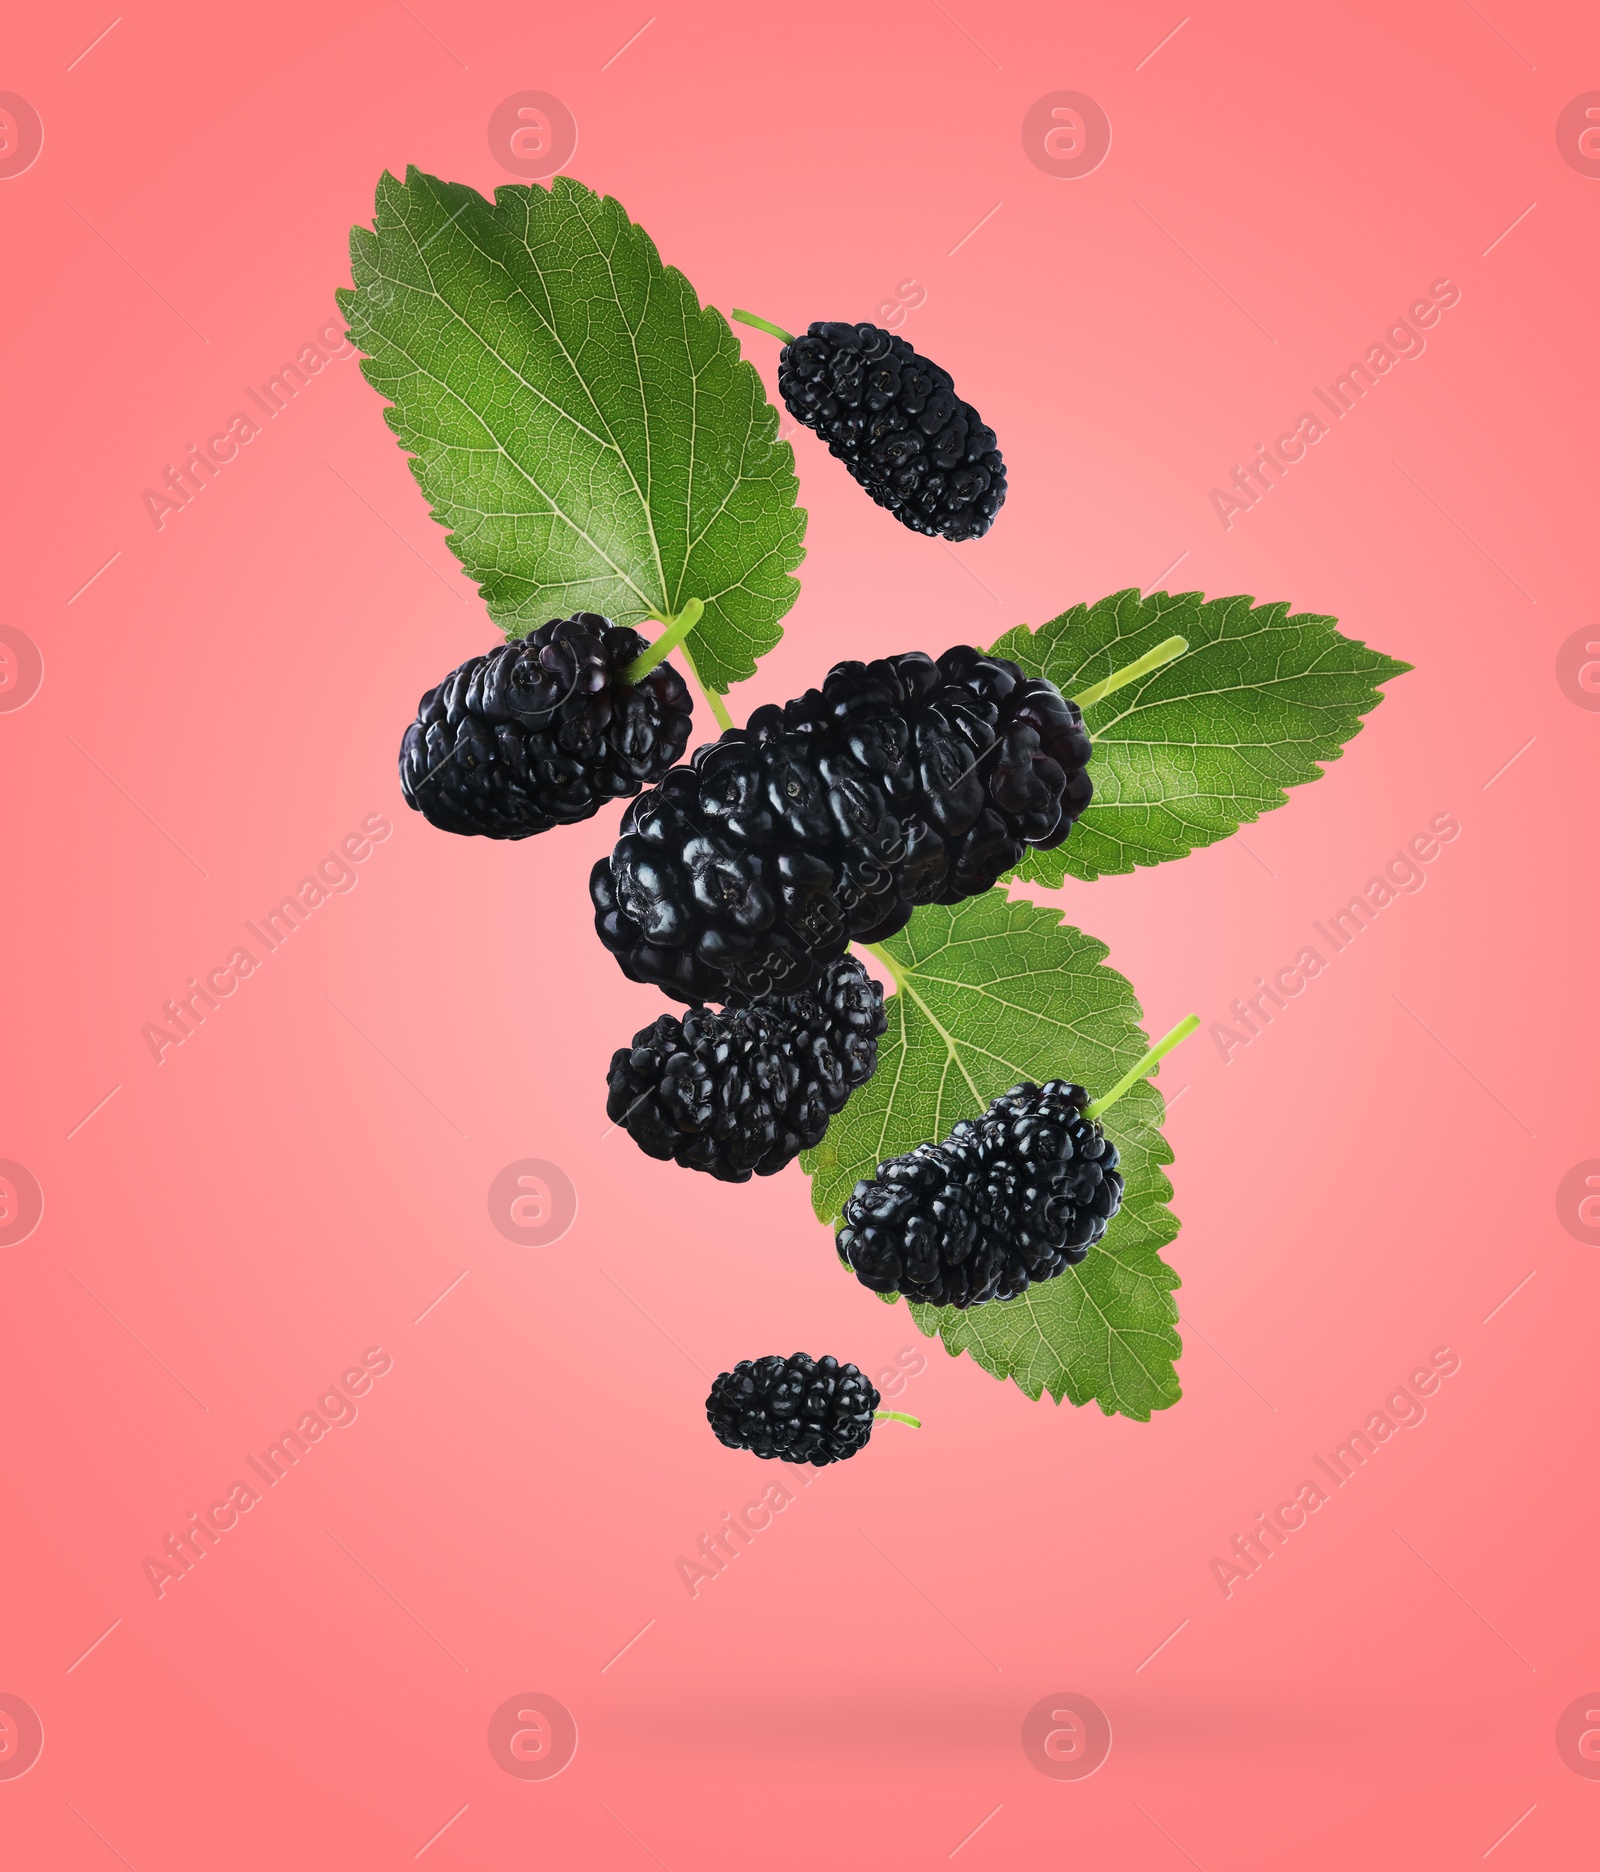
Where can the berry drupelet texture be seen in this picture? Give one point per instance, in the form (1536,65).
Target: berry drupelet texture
(895,421)
(744,1092)
(799,1409)
(542,731)
(1007,1200)
(899,782)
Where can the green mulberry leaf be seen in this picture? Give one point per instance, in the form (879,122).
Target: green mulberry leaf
(586,429)
(990,993)
(1185,756)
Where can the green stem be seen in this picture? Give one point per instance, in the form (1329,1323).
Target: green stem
(675,637)
(714,702)
(1151,660)
(883,955)
(761,324)
(895,1416)
(1134,1074)
(677,628)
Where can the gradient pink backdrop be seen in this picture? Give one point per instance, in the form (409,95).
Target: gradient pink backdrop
(1366,1182)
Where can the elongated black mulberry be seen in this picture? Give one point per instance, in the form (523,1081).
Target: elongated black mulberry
(895,421)
(542,731)
(899,782)
(742,1093)
(797,1409)
(1007,1200)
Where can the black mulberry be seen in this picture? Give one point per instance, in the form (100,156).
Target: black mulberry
(896,423)
(541,732)
(899,782)
(745,1092)
(1007,1200)
(799,1409)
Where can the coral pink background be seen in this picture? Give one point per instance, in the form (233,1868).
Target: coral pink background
(1365,1182)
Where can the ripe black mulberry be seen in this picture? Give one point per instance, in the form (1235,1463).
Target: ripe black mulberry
(541,732)
(799,1409)
(1007,1200)
(895,421)
(899,782)
(742,1093)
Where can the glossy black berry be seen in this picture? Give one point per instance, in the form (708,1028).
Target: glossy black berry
(1007,1200)
(742,1093)
(798,1409)
(895,421)
(541,732)
(899,782)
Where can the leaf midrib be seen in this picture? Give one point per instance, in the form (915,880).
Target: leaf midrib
(483,422)
(607,440)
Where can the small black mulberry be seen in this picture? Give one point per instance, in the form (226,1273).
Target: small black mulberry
(798,1409)
(541,731)
(1007,1200)
(895,421)
(744,1092)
